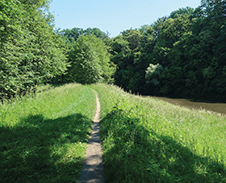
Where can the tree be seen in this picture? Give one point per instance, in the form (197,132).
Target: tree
(126,54)
(75,33)
(30,52)
(189,45)
(90,61)
(153,74)
(188,11)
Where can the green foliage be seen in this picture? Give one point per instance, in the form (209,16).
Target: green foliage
(43,138)
(76,33)
(190,46)
(127,55)
(30,51)
(90,61)
(182,12)
(153,74)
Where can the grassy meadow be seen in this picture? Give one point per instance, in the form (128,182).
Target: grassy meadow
(148,140)
(43,138)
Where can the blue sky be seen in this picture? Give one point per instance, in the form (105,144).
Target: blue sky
(113,16)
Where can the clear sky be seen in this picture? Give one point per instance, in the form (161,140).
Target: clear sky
(113,16)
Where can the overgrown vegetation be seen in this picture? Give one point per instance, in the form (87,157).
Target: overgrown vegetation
(147,140)
(43,137)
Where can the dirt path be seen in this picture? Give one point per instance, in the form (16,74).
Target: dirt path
(93,169)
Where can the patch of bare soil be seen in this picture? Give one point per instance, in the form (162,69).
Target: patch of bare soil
(93,169)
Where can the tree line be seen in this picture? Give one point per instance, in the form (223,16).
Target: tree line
(33,53)
(183,54)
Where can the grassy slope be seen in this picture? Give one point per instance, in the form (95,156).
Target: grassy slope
(147,140)
(43,138)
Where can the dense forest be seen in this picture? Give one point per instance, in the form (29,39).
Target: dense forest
(183,54)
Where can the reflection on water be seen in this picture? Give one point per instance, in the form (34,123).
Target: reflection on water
(215,107)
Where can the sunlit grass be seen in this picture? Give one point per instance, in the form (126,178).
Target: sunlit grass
(43,137)
(148,140)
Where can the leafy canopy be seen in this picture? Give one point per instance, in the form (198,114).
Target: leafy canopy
(90,61)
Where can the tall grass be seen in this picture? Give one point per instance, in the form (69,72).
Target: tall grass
(43,137)
(148,140)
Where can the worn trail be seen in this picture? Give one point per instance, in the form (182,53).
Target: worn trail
(93,170)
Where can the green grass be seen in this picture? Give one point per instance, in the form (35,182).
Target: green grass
(148,140)
(43,138)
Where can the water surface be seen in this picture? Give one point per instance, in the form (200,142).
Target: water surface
(215,107)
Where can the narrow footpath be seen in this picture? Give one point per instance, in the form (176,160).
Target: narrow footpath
(93,169)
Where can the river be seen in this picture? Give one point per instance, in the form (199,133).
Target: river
(215,107)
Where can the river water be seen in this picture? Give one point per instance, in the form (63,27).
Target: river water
(215,107)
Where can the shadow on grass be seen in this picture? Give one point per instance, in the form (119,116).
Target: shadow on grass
(135,154)
(43,150)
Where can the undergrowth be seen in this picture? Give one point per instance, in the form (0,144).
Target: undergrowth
(147,140)
(43,137)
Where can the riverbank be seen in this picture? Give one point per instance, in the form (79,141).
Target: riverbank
(215,107)
(148,140)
